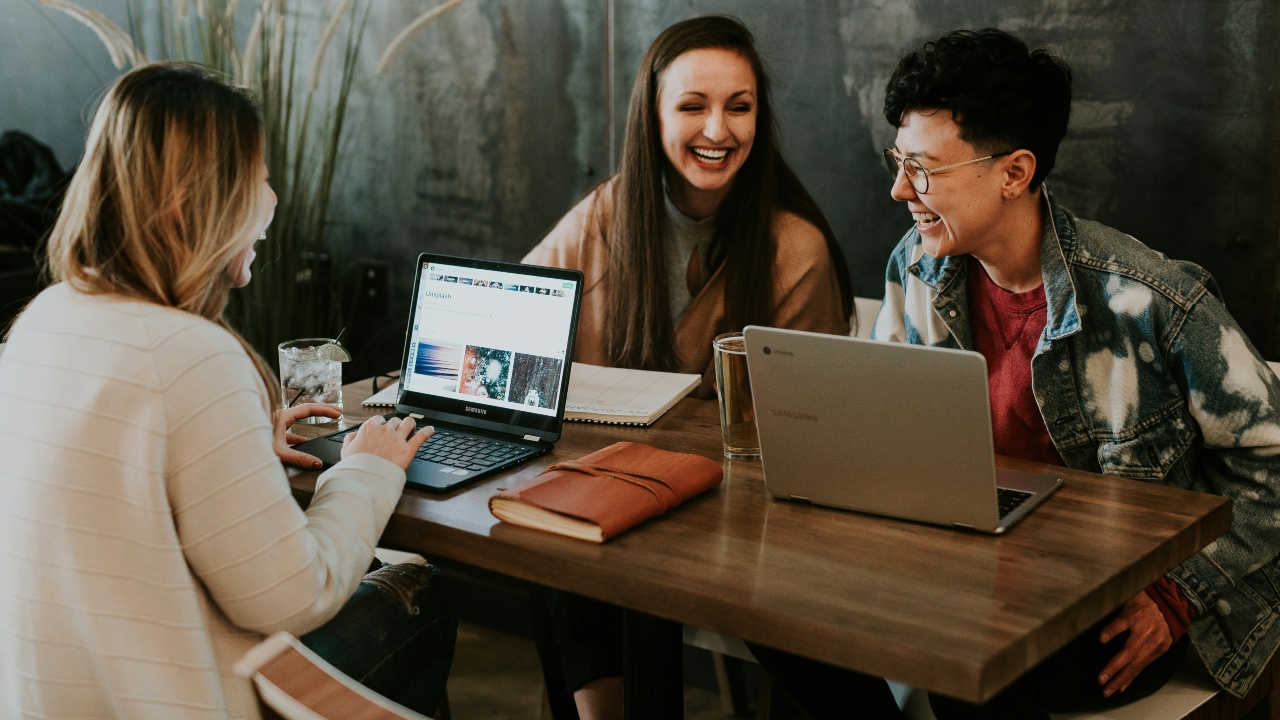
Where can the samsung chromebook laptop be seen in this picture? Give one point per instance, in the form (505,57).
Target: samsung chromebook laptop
(886,428)
(486,361)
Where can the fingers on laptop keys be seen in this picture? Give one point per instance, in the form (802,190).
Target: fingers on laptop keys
(416,438)
(393,438)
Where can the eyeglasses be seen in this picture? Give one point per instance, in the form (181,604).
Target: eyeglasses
(918,175)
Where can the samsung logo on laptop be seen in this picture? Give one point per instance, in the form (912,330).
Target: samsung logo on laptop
(795,415)
(478,411)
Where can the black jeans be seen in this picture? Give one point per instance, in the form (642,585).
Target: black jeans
(1065,682)
(578,639)
(393,636)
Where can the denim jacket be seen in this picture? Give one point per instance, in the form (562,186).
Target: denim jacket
(1141,372)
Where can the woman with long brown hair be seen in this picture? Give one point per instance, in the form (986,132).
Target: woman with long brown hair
(149,536)
(705,228)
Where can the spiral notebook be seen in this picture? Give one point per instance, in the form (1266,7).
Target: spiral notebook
(604,395)
(624,397)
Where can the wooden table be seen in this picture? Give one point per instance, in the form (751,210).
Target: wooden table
(946,610)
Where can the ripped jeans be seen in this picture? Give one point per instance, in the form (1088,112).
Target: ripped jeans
(393,636)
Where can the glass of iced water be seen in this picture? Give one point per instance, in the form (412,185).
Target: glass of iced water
(310,372)
(733,387)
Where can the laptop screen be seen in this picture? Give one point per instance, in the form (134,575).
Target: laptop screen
(490,341)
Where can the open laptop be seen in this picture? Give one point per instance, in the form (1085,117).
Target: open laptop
(886,428)
(486,361)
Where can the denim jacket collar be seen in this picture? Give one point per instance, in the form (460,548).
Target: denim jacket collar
(946,276)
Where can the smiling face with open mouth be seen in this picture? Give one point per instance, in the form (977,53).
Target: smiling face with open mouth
(962,208)
(707,117)
(240,269)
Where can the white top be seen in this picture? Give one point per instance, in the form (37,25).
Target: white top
(148,537)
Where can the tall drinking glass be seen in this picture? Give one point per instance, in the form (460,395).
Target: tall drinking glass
(733,387)
(307,376)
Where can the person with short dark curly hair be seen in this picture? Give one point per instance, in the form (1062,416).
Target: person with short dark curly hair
(1005,95)
(1102,355)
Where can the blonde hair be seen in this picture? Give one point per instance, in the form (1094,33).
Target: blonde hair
(166,196)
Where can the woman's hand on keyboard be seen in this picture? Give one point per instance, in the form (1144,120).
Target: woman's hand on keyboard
(393,439)
(285,440)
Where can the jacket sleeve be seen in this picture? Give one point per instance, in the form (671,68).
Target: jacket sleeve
(265,563)
(1234,397)
(809,298)
(563,247)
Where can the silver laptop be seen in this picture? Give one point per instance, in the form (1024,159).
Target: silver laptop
(886,428)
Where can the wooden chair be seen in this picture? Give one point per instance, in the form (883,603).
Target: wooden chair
(293,683)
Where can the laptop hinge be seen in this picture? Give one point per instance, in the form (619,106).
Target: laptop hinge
(801,498)
(966,526)
(532,438)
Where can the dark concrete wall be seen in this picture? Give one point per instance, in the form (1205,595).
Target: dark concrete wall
(498,118)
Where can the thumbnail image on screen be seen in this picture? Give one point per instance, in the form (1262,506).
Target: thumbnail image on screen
(485,372)
(438,364)
(535,380)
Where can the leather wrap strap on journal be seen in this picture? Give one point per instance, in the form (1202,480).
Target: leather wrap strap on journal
(619,486)
(664,495)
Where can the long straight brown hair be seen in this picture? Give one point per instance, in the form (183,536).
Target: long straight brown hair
(641,333)
(166,196)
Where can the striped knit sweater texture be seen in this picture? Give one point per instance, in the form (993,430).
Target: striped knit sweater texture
(148,537)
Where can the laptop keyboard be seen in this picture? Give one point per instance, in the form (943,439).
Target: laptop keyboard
(468,452)
(1009,500)
(461,450)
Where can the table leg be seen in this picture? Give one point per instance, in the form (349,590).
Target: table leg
(652,667)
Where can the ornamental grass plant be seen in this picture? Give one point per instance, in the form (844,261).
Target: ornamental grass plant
(304,104)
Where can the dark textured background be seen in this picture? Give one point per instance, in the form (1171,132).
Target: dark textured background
(499,117)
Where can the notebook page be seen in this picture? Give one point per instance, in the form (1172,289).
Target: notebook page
(624,393)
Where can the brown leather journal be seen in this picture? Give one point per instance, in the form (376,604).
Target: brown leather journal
(606,492)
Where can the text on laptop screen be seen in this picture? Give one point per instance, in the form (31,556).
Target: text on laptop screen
(490,337)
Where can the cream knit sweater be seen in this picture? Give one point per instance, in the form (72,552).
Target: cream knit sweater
(148,537)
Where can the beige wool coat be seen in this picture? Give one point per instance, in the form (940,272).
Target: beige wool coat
(806,294)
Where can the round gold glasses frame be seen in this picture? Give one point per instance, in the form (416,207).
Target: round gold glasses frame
(917,174)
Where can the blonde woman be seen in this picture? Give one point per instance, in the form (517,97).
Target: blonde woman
(148,536)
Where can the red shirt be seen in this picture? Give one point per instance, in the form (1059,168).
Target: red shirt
(1006,328)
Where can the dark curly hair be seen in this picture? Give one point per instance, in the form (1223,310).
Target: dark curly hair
(1003,95)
